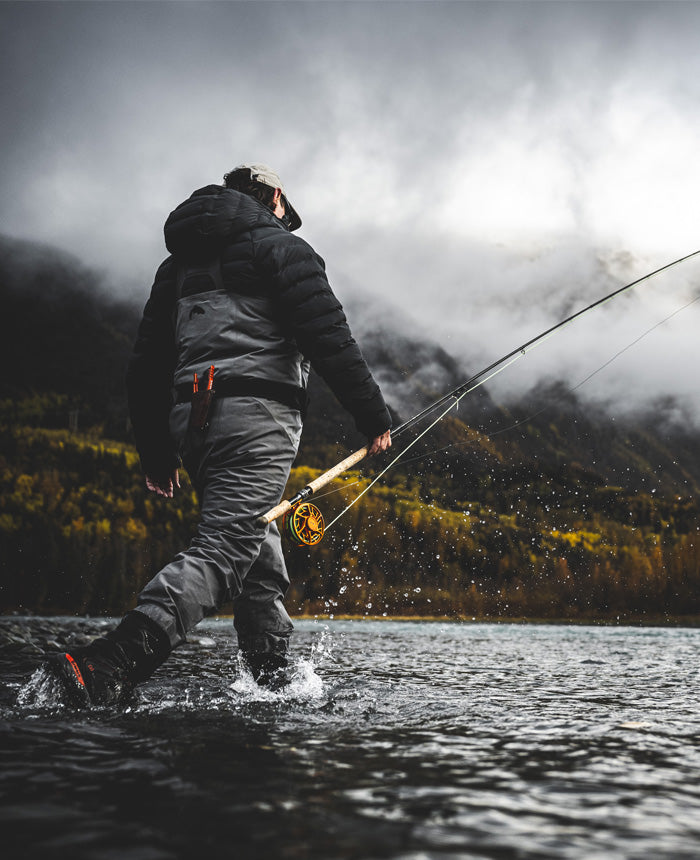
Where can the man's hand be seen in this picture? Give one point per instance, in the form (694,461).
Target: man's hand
(379,444)
(164,486)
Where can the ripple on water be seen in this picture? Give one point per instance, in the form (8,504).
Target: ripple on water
(401,740)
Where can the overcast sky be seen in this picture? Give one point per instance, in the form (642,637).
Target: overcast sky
(483,168)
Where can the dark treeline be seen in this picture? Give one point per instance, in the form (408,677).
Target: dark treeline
(79,534)
(65,341)
(569,515)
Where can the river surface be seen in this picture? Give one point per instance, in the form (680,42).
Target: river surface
(408,740)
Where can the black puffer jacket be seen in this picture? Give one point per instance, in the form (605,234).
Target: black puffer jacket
(241,292)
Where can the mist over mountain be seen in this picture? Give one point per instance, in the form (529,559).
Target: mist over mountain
(529,166)
(67,339)
(64,335)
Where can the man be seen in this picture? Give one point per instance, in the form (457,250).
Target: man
(237,313)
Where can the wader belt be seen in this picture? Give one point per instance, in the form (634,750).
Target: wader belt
(290,395)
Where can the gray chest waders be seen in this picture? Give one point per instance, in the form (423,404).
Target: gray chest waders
(203,278)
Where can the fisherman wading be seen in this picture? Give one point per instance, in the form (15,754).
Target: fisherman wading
(238,312)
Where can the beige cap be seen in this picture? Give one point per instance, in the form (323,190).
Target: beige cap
(267,176)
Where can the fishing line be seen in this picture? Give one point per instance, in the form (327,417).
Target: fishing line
(514,358)
(392,463)
(304,521)
(524,348)
(568,391)
(337,490)
(456,398)
(599,369)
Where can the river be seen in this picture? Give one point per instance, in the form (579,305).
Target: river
(410,740)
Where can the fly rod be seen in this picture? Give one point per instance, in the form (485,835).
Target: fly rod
(304,521)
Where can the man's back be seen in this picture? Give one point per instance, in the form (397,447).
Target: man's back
(242,293)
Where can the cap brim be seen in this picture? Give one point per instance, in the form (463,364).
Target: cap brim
(294,219)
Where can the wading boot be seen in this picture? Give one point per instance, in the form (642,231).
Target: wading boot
(106,671)
(269,670)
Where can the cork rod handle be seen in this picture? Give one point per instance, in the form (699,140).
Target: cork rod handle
(313,486)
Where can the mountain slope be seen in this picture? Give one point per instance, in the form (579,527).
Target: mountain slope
(546,508)
(67,340)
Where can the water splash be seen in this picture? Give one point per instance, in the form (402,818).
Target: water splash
(322,648)
(43,690)
(236,686)
(303,685)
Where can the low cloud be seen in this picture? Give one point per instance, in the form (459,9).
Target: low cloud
(485,168)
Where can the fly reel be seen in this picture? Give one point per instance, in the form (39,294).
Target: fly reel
(304,524)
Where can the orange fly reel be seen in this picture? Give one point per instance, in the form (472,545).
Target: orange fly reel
(304,524)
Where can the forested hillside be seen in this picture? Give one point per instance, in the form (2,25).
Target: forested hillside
(567,515)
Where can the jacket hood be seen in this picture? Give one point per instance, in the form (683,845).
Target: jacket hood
(202,226)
